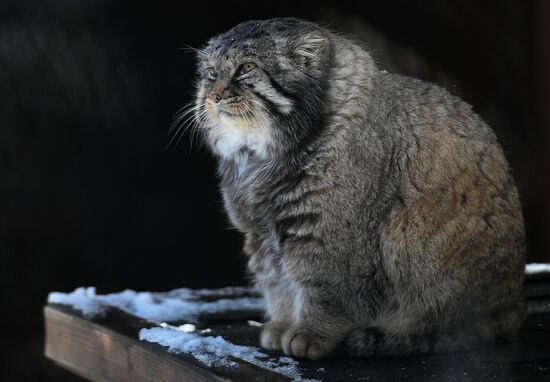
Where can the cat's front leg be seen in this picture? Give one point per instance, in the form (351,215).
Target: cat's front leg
(279,306)
(320,322)
(319,328)
(275,288)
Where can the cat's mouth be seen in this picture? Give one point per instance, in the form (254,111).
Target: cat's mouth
(227,113)
(232,111)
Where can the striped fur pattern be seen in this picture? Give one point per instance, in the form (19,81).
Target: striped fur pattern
(379,213)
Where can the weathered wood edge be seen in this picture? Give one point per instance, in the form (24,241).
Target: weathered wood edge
(108,349)
(97,353)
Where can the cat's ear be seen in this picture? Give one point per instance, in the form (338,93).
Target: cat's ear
(309,49)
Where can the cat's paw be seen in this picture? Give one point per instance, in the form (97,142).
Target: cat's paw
(272,332)
(304,342)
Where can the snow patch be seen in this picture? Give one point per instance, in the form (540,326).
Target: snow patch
(536,268)
(184,305)
(254,323)
(83,299)
(215,351)
(177,305)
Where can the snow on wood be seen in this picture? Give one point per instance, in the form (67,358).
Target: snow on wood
(185,305)
(536,268)
(178,305)
(216,351)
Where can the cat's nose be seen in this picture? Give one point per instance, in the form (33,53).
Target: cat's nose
(215,97)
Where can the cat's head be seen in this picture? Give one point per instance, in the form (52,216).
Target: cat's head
(260,86)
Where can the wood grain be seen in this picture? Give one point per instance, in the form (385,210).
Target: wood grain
(107,349)
(99,354)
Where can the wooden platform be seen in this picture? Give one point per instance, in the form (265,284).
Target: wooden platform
(107,348)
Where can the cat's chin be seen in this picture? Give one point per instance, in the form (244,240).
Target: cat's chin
(233,135)
(227,114)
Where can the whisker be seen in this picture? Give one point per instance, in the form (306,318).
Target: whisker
(183,121)
(182,112)
(189,48)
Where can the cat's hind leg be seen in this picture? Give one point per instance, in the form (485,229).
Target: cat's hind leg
(374,341)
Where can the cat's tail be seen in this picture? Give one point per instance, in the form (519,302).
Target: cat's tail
(373,341)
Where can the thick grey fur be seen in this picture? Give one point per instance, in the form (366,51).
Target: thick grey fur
(379,213)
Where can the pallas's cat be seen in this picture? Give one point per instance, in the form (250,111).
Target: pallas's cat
(379,213)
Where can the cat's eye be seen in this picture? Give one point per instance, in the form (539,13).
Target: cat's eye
(246,68)
(210,73)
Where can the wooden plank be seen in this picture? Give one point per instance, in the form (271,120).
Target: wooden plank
(107,348)
(537,286)
(524,357)
(99,354)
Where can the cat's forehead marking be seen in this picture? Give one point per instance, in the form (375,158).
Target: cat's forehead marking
(233,51)
(248,38)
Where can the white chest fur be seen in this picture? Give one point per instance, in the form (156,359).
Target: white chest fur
(233,135)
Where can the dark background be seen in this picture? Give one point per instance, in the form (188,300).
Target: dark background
(90,196)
